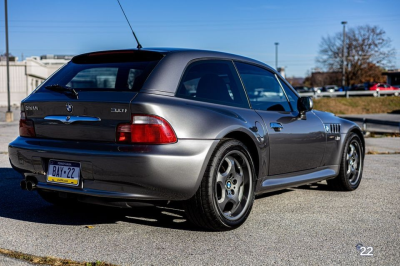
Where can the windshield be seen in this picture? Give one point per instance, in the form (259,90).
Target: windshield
(99,73)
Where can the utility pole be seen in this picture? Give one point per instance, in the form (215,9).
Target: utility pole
(344,58)
(276,55)
(9,114)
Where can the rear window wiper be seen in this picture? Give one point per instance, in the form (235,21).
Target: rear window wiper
(60,88)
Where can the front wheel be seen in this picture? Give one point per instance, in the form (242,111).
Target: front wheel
(351,166)
(226,194)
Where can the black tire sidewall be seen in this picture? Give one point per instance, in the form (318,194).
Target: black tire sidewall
(343,176)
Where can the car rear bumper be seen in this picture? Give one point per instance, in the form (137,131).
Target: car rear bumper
(142,172)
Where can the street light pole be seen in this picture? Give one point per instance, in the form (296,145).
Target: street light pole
(9,114)
(344,58)
(276,55)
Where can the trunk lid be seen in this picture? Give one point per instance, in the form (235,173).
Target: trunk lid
(106,83)
(94,116)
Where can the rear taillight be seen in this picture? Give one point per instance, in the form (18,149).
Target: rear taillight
(146,129)
(26,127)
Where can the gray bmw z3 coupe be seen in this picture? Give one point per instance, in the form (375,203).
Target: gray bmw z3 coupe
(206,128)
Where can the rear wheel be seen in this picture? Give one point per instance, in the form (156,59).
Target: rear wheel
(226,194)
(351,166)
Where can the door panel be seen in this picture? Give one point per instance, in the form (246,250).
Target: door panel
(298,145)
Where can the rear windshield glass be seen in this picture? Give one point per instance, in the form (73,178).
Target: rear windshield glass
(105,71)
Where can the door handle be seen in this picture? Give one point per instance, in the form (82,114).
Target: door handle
(276,126)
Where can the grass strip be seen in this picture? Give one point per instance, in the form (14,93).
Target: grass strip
(371,152)
(358,105)
(39,260)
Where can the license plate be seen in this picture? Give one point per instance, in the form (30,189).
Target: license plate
(62,172)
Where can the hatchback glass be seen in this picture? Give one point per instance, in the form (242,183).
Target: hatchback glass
(98,72)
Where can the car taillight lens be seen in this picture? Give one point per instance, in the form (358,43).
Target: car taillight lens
(146,129)
(26,127)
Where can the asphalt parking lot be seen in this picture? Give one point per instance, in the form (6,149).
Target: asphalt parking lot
(307,225)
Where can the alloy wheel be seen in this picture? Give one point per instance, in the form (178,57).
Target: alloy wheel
(233,185)
(354,162)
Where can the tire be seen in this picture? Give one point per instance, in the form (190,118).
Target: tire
(351,166)
(53,198)
(226,193)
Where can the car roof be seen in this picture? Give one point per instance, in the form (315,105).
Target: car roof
(165,77)
(187,51)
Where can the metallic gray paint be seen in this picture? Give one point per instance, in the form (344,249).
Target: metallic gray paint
(90,104)
(156,171)
(167,74)
(334,148)
(298,146)
(301,152)
(299,178)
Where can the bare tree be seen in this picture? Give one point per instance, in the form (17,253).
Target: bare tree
(368,53)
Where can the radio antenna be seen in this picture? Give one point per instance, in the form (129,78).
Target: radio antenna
(134,35)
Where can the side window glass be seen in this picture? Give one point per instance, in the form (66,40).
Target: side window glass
(291,95)
(132,76)
(212,81)
(264,91)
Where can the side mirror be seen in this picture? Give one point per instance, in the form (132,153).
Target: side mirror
(304,104)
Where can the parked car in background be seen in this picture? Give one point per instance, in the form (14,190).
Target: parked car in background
(206,128)
(330,88)
(301,89)
(382,87)
(359,87)
(305,89)
(316,89)
(343,88)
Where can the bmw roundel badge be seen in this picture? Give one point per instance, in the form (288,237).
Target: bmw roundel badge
(69,107)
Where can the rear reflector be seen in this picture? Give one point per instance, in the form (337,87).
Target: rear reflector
(146,129)
(26,127)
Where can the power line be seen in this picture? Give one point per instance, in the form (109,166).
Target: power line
(163,28)
(178,23)
(354,17)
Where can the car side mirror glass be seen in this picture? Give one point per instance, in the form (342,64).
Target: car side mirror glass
(304,104)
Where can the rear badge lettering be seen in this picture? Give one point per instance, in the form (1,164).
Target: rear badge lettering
(118,110)
(31,108)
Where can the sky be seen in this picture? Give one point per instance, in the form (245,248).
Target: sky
(249,28)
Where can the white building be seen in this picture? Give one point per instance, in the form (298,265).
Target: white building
(26,75)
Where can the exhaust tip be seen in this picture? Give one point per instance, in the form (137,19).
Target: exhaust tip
(23,185)
(30,185)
